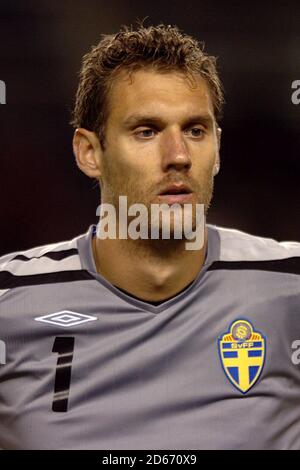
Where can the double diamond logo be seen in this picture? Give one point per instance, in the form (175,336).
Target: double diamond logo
(66,318)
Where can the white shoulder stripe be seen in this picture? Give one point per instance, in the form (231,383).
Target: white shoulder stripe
(240,246)
(2,291)
(42,266)
(43,249)
(39,263)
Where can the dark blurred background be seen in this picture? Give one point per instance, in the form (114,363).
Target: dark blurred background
(45,198)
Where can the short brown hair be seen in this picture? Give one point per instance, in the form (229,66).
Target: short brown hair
(163,47)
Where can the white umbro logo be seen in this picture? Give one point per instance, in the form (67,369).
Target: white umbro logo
(66,318)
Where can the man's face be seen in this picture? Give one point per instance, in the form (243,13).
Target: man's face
(160,132)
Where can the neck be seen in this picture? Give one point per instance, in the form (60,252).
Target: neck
(152,270)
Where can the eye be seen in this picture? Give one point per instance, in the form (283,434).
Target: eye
(145,133)
(198,131)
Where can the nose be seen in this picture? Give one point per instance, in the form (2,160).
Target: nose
(175,153)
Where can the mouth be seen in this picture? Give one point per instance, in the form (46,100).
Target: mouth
(175,189)
(176,193)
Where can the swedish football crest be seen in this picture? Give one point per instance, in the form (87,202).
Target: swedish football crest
(242,353)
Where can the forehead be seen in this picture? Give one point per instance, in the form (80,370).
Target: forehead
(171,94)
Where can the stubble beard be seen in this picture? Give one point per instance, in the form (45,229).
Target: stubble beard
(116,187)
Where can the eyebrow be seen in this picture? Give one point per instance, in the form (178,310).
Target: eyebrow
(144,119)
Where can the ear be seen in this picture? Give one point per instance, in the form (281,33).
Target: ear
(219,132)
(217,162)
(88,152)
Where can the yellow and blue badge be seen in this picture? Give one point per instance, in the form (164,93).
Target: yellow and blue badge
(242,352)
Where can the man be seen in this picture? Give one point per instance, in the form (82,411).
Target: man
(121,343)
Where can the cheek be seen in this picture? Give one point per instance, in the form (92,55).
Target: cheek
(123,172)
(126,155)
(208,156)
(203,166)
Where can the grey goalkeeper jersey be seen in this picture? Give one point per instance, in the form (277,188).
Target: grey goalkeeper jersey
(83,365)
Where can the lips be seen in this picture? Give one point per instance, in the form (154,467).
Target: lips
(175,189)
(176,193)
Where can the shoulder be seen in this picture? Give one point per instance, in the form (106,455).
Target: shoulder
(236,245)
(19,267)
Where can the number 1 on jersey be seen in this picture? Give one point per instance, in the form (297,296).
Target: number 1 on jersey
(64,346)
